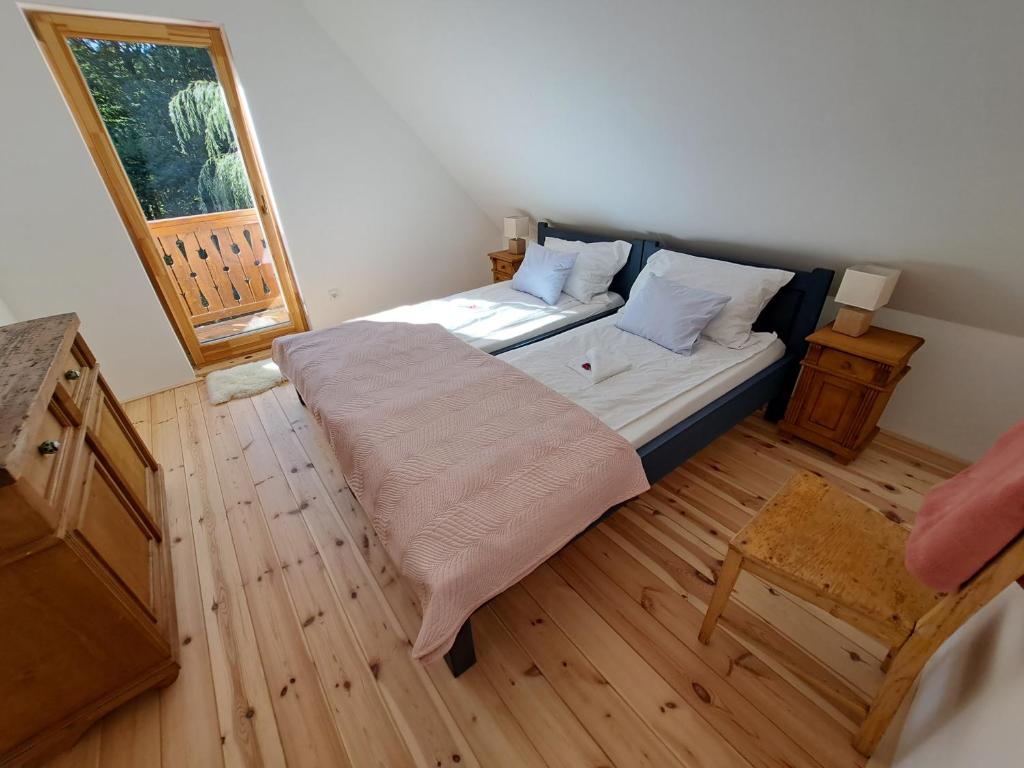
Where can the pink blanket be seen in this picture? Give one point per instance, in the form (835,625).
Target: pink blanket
(967,520)
(471,472)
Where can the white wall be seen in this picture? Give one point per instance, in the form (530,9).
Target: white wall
(6,316)
(822,132)
(798,132)
(364,206)
(964,387)
(971,694)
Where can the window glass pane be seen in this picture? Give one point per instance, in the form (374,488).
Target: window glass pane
(168,120)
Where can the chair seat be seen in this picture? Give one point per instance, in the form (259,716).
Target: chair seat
(837,552)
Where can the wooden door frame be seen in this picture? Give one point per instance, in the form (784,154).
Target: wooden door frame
(52,28)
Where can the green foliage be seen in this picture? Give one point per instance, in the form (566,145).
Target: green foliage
(223,184)
(198,111)
(168,122)
(199,114)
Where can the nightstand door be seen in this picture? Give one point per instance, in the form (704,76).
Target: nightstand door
(831,406)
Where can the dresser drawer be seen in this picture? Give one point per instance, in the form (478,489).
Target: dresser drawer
(124,453)
(852,366)
(103,518)
(47,461)
(30,508)
(75,371)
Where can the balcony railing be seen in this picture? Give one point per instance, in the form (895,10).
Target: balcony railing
(219,263)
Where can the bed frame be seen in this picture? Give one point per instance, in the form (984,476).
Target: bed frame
(639,253)
(793,315)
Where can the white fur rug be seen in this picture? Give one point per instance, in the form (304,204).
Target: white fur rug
(242,381)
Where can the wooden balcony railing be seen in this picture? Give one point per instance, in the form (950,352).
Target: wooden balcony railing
(219,262)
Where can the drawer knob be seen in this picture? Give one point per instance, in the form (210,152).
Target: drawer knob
(72,374)
(49,446)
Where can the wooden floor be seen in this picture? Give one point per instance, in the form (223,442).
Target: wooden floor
(295,633)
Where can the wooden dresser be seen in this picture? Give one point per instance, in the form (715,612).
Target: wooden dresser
(504,264)
(86,596)
(845,384)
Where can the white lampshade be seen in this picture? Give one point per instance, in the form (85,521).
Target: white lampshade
(867,286)
(517,226)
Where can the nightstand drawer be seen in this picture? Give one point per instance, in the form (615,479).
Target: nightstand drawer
(852,366)
(504,264)
(503,270)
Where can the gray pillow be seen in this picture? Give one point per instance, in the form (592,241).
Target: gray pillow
(670,313)
(543,272)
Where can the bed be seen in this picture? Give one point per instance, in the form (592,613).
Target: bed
(497,318)
(672,422)
(671,431)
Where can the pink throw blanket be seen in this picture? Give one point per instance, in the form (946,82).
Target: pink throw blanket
(967,520)
(471,472)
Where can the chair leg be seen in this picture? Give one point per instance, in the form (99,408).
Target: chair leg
(726,581)
(904,665)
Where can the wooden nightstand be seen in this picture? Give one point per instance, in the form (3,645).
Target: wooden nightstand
(504,264)
(845,384)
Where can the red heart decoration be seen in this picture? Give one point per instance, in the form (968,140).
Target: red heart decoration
(586,366)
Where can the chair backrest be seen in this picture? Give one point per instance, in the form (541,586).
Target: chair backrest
(968,520)
(958,606)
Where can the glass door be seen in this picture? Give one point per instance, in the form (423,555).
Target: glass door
(160,111)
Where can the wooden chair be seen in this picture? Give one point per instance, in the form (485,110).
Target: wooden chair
(828,548)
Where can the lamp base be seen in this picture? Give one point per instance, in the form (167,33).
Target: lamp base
(517,246)
(851,321)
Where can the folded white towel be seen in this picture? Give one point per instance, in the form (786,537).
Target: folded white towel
(596,365)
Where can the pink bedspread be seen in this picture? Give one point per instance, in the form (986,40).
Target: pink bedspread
(471,472)
(967,520)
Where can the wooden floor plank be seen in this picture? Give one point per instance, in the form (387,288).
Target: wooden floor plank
(400,681)
(758,681)
(664,508)
(475,708)
(858,658)
(613,724)
(801,627)
(761,741)
(672,715)
(131,734)
(139,413)
(189,730)
(246,716)
(305,721)
(345,672)
(84,754)
(548,721)
(294,628)
(788,658)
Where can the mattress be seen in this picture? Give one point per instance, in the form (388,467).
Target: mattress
(497,316)
(659,390)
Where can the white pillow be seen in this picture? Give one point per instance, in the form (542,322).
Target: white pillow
(749,288)
(596,265)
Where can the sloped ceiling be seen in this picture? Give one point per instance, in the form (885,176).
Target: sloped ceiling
(803,132)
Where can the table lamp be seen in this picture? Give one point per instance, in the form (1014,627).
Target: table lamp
(865,288)
(517,228)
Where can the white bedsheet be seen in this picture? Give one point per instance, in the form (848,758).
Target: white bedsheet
(660,390)
(496,315)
